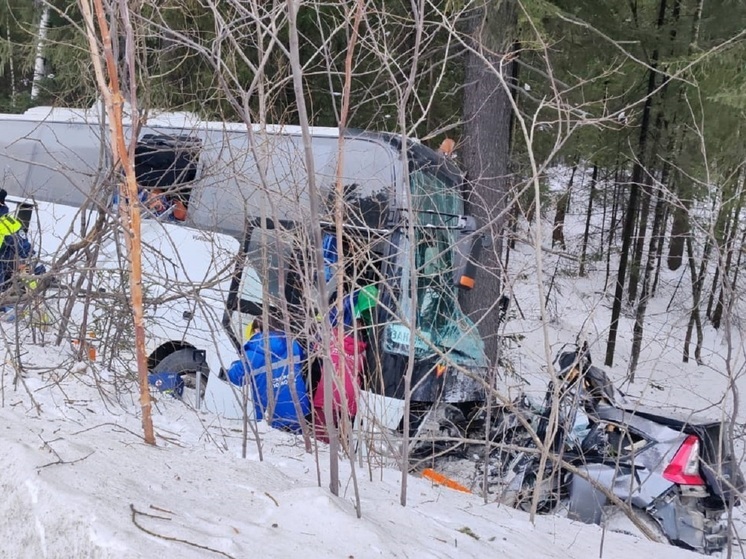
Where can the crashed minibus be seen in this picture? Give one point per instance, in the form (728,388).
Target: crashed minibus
(240,247)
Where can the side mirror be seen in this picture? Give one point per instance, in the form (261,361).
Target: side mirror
(466,253)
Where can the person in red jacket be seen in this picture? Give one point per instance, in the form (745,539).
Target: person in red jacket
(348,360)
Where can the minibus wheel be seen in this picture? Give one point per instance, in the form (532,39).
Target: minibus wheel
(186,364)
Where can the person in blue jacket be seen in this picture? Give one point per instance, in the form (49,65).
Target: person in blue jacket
(15,249)
(289,411)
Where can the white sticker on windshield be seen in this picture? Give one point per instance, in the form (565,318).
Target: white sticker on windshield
(400,334)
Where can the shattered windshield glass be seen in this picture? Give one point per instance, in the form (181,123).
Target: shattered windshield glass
(440,320)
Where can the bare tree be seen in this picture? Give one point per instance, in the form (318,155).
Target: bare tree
(488,119)
(114,102)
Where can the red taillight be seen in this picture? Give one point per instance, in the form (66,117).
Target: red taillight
(684,468)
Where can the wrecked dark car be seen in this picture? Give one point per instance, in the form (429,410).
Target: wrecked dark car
(609,461)
(676,475)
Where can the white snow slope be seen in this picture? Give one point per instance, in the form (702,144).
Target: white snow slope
(78,481)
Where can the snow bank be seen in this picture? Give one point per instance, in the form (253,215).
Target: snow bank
(79,482)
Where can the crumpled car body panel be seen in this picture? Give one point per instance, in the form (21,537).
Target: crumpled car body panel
(613,447)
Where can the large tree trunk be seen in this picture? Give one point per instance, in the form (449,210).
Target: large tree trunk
(721,235)
(660,126)
(39,62)
(661,219)
(680,224)
(647,281)
(738,258)
(639,242)
(659,248)
(717,314)
(698,279)
(668,179)
(628,229)
(679,232)
(487,113)
(650,277)
(634,199)
(615,204)
(563,204)
(588,215)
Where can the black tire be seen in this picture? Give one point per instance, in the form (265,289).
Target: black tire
(183,363)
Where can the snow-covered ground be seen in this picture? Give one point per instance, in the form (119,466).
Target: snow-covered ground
(78,480)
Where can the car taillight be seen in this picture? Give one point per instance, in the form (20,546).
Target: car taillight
(684,468)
